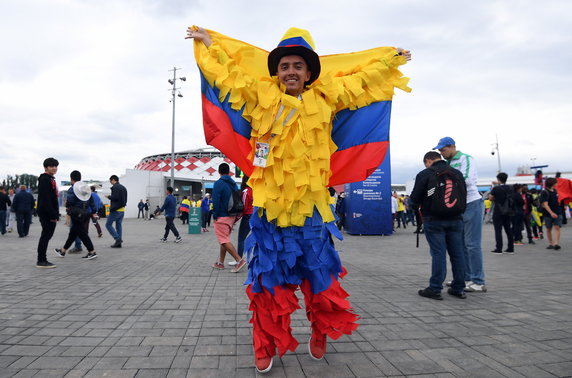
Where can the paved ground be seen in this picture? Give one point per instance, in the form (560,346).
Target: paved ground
(160,310)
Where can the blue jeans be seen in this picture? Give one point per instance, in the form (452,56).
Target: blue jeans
(117,217)
(445,236)
(473,230)
(243,231)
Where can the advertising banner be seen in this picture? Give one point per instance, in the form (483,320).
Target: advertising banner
(368,203)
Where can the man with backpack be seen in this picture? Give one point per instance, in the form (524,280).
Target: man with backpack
(503,197)
(473,216)
(441,193)
(226,196)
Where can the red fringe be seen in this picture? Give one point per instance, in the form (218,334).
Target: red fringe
(271,320)
(329,312)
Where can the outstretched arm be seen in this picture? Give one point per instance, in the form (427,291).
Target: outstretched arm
(199,34)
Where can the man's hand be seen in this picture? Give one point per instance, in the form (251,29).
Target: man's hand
(553,215)
(200,34)
(404,53)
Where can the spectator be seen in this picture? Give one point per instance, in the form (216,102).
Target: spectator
(147,208)
(48,210)
(170,207)
(185,207)
(205,210)
(473,216)
(80,207)
(444,232)
(118,199)
(552,213)
(23,206)
(224,222)
(518,218)
(10,214)
(141,208)
(5,203)
(244,228)
(503,212)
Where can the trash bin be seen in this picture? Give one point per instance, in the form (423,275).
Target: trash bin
(194,220)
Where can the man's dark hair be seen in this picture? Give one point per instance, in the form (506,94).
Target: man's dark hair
(170,189)
(502,177)
(75,175)
(550,182)
(224,169)
(51,162)
(2,188)
(431,155)
(114,177)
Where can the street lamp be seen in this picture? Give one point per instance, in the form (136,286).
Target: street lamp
(496,150)
(174,94)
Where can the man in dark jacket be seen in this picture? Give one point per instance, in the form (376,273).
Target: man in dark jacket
(23,205)
(118,200)
(503,197)
(5,202)
(48,209)
(170,209)
(444,233)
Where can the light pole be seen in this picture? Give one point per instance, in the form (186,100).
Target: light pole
(496,150)
(174,94)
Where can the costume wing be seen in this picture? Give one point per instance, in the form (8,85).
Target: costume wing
(360,130)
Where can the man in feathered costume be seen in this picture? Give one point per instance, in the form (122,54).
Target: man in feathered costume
(296,132)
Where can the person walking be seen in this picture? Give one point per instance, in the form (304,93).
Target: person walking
(170,207)
(552,212)
(48,210)
(118,200)
(80,207)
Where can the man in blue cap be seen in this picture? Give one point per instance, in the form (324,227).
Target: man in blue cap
(473,216)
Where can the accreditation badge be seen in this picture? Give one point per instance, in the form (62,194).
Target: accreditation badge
(261,154)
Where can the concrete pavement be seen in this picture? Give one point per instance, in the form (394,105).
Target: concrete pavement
(156,309)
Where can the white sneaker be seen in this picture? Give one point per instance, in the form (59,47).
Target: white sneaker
(232,263)
(474,288)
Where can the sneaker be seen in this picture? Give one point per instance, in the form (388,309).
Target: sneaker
(536,238)
(232,263)
(218,265)
(90,256)
(75,250)
(475,288)
(518,243)
(317,346)
(509,251)
(541,235)
(496,251)
(460,295)
(557,247)
(99,235)
(164,240)
(45,265)
(428,293)
(178,239)
(238,266)
(550,247)
(450,283)
(531,242)
(60,253)
(117,244)
(263,364)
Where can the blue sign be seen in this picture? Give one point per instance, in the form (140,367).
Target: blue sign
(368,203)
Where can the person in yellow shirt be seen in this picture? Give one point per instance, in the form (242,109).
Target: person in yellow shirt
(290,111)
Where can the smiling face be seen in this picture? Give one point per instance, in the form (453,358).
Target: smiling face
(293,73)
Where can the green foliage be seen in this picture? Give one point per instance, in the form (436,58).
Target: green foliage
(31,181)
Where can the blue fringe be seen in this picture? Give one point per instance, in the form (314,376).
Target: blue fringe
(280,256)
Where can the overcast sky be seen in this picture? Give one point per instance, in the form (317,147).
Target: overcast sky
(86,81)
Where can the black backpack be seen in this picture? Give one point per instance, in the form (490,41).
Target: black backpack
(235,204)
(447,193)
(507,207)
